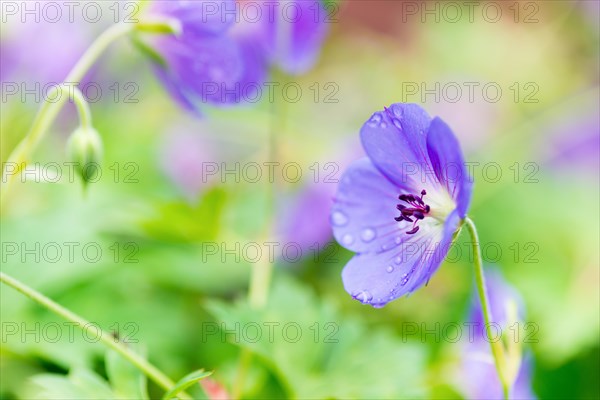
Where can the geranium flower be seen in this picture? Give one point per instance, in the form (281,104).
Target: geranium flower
(210,61)
(478,376)
(223,56)
(400,208)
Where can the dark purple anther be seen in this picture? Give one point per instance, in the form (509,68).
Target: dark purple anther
(418,210)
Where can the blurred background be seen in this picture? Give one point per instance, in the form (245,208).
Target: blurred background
(159,249)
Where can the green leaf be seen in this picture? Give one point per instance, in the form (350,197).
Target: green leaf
(303,338)
(186,382)
(80,384)
(127,381)
(182,222)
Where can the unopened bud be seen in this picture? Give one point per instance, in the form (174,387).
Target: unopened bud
(85,149)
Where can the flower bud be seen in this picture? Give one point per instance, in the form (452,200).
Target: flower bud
(84,148)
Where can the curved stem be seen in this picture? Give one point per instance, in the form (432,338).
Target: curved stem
(50,109)
(497,349)
(149,370)
(83,108)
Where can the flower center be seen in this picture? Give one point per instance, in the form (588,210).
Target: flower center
(418,209)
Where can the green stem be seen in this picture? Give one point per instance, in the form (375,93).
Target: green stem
(83,108)
(497,349)
(260,278)
(50,109)
(262,272)
(149,370)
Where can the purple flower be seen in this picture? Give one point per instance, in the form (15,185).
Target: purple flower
(209,62)
(294,33)
(478,376)
(183,157)
(223,53)
(400,207)
(309,235)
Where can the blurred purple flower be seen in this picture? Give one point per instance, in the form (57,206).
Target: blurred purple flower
(37,55)
(400,207)
(222,55)
(184,155)
(478,376)
(294,33)
(310,234)
(208,62)
(574,144)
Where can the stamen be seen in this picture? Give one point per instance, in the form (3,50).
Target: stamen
(412,231)
(418,210)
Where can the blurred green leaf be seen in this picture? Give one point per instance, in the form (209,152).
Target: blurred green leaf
(128,382)
(80,384)
(304,339)
(186,382)
(181,222)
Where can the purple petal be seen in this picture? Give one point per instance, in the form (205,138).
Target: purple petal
(198,17)
(395,140)
(449,165)
(499,293)
(218,70)
(378,278)
(304,221)
(295,35)
(479,378)
(176,90)
(364,208)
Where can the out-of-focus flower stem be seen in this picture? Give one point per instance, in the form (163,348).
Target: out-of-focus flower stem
(260,278)
(497,348)
(148,369)
(261,274)
(50,109)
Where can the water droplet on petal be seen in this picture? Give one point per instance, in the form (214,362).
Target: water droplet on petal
(347,239)
(398,240)
(378,305)
(383,125)
(375,119)
(390,269)
(396,110)
(398,260)
(367,235)
(339,218)
(397,123)
(404,279)
(364,297)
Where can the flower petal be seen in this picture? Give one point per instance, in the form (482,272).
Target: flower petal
(364,209)
(177,91)
(448,164)
(395,140)
(198,17)
(378,278)
(293,225)
(218,70)
(294,37)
